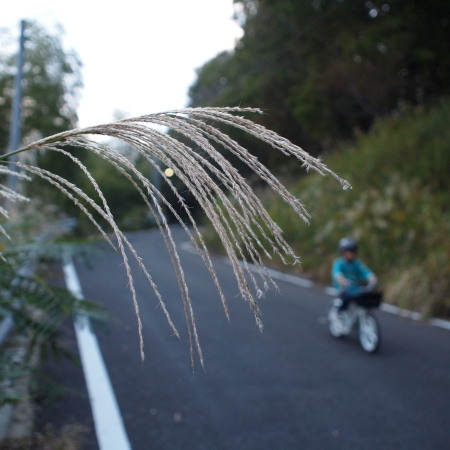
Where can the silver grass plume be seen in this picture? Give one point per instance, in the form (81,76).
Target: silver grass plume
(208,175)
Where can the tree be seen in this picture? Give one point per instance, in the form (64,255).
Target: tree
(52,80)
(324,69)
(51,84)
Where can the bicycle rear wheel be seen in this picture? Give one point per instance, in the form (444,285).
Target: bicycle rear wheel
(369,332)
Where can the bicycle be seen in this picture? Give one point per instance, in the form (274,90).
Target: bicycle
(341,323)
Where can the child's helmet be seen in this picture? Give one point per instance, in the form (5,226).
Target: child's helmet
(348,244)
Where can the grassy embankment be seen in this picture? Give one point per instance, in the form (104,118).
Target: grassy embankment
(399,209)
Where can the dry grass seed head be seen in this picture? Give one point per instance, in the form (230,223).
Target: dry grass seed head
(212,180)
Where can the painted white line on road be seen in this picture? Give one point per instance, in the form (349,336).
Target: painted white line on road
(445,324)
(109,427)
(275,274)
(189,248)
(288,278)
(392,309)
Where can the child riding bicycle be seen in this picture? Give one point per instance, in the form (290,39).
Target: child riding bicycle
(350,276)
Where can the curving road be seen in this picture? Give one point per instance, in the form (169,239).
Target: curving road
(292,387)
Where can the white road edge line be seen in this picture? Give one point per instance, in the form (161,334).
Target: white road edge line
(441,323)
(109,427)
(298,281)
(293,279)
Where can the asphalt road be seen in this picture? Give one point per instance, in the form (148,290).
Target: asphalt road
(291,387)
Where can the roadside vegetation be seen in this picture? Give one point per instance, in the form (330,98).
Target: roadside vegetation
(29,296)
(363,84)
(398,209)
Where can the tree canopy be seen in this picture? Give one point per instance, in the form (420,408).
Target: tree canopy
(325,69)
(51,82)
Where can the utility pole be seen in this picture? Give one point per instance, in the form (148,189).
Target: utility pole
(14,141)
(15,128)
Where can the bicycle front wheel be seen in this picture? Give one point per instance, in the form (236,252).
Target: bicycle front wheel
(369,333)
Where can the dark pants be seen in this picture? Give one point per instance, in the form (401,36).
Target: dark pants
(346,298)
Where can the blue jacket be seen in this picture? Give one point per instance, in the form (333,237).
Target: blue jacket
(355,272)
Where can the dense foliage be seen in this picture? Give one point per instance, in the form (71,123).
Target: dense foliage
(323,69)
(398,210)
(339,76)
(51,83)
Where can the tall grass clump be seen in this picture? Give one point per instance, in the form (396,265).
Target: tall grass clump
(207,174)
